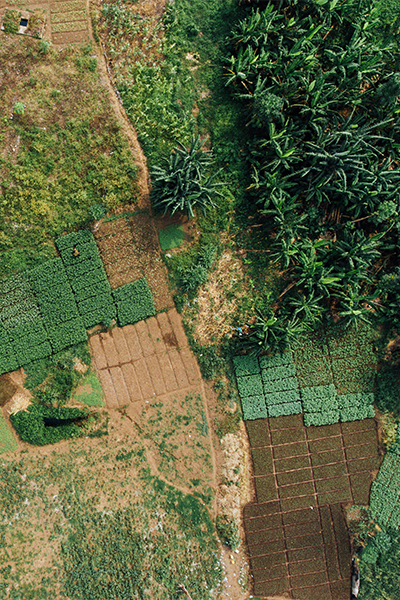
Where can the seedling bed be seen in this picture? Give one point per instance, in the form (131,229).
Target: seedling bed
(311,480)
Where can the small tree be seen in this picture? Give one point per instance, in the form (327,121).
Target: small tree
(184,183)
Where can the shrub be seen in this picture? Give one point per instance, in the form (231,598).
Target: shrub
(254,408)
(30,424)
(19,108)
(210,362)
(250,386)
(228,531)
(134,302)
(245,365)
(282,410)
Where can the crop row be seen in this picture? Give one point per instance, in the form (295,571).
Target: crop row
(384,496)
(320,405)
(134,302)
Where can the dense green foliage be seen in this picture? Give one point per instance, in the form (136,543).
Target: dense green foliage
(320,405)
(384,497)
(30,424)
(379,567)
(134,302)
(319,86)
(185,183)
(81,259)
(48,308)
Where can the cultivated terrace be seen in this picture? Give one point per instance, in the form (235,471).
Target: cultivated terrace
(199,299)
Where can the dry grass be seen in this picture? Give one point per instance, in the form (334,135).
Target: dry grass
(218,300)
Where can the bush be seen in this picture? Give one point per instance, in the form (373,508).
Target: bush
(228,531)
(210,363)
(30,424)
(134,302)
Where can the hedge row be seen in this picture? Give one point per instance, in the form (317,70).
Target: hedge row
(134,302)
(320,405)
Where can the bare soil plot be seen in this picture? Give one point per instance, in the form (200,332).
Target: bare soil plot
(296,534)
(148,371)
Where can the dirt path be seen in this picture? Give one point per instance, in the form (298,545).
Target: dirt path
(143,180)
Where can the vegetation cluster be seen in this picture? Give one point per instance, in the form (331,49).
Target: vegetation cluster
(318,85)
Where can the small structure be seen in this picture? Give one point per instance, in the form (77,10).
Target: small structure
(23,22)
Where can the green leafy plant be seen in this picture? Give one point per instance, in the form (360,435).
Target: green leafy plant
(184,184)
(228,531)
(41,425)
(134,302)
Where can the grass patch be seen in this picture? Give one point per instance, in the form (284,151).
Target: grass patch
(90,391)
(171,237)
(8,443)
(109,524)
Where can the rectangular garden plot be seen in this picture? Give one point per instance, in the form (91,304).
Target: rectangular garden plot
(297,537)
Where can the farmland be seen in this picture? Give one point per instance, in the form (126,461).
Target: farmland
(189,393)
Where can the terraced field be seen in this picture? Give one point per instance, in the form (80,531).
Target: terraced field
(303,476)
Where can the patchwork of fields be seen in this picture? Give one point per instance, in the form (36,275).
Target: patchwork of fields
(67,21)
(295,530)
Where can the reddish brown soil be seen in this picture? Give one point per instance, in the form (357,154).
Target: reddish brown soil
(296,533)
